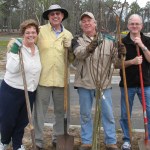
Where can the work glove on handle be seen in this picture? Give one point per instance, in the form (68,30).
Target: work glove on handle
(14,45)
(10,44)
(66,42)
(92,46)
(121,50)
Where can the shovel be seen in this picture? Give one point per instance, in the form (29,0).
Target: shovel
(125,88)
(66,141)
(143,144)
(31,127)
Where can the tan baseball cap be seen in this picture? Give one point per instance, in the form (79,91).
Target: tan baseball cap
(87,14)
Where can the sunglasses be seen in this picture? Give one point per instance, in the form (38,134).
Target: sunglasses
(55,13)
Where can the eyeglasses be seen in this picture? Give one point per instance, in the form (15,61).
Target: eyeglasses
(55,13)
(135,24)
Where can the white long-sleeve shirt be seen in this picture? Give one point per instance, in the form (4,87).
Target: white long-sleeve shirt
(32,67)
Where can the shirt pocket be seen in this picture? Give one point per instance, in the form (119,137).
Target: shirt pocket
(59,47)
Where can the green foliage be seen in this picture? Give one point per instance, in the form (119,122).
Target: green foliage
(135,8)
(5,6)
(148,4)
(13,12)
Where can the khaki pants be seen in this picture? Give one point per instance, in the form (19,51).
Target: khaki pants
(40,109)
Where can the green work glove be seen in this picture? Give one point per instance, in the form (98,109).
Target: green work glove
(16,46)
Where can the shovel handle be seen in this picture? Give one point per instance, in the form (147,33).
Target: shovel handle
(126,98)
(65,90)
(66,81)
(125,83)
(143,97)
(31,127)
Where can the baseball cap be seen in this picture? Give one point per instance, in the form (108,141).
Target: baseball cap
(87,14)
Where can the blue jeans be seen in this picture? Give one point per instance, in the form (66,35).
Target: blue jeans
(86,97)
(124,119)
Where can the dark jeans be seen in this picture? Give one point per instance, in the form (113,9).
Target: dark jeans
(13,114)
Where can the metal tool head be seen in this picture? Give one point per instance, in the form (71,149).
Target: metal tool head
(65,142)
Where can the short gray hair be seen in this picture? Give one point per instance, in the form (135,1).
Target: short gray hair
(135,15)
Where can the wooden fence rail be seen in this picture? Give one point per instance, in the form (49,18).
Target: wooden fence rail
(10,30)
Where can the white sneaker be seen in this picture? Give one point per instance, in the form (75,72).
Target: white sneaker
(126,146)
(3,146)
(22,148)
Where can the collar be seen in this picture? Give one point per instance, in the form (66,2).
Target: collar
(86,38)
(53,29)
(128,40)
(61,30)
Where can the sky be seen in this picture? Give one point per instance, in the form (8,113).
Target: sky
(141,3)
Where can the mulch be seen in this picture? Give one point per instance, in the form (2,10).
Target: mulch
(77,140)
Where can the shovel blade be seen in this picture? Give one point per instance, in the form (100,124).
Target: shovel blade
(144,145)
(65,142)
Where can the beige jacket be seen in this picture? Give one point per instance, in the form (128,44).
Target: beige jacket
(93,69)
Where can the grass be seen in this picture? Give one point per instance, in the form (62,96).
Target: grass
(3,43)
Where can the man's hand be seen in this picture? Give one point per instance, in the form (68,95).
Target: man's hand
(66,42)
(92,46)
(137,60)
(121,50)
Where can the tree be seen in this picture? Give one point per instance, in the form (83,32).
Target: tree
(6,8)
(134,8)
(13,12)
(147,17)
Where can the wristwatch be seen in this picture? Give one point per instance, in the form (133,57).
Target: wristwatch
(144,48)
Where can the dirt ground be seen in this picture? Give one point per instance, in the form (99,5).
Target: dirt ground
(77,141)
(27,142)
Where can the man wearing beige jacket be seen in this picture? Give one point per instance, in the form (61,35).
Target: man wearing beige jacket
(87,52)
